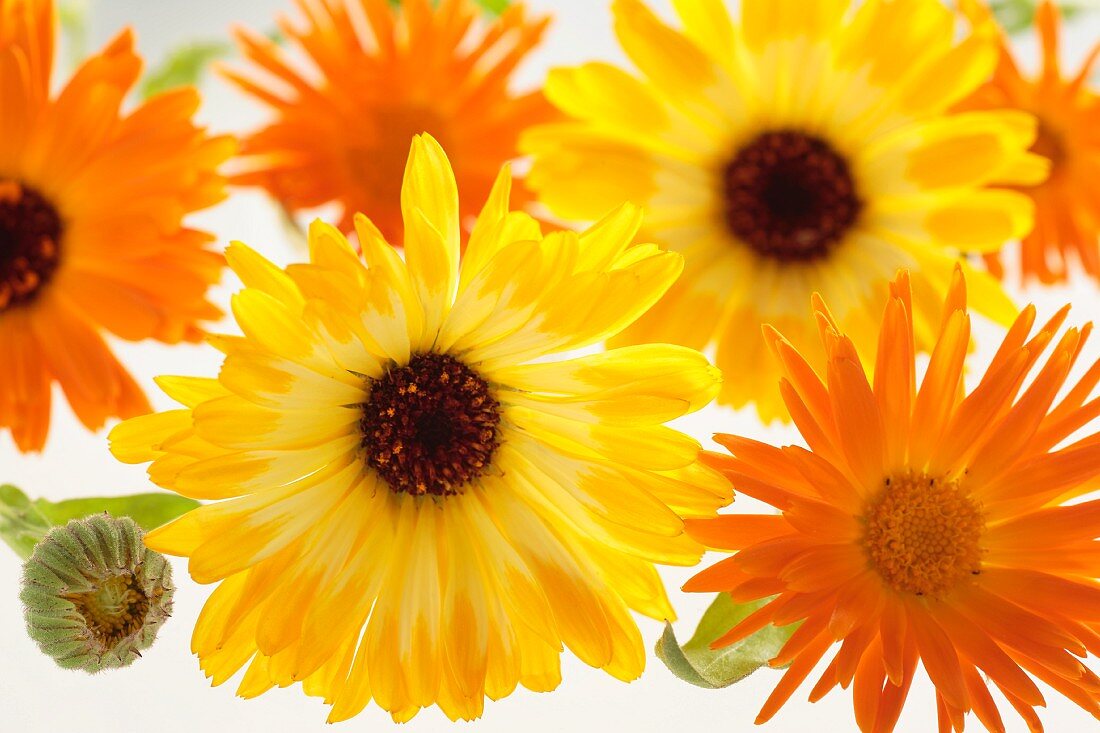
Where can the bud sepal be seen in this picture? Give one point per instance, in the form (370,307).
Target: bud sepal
(94,595)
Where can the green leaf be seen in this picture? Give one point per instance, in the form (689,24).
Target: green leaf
(24,522)
(149,511)
(21,524)
(276,36)
(184,66)
(1017,16)
(72,16)
(494,7)
(697,663)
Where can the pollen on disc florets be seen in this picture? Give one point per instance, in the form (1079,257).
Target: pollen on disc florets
(30,240)
(789,196)
(923,534)
(94,595)
(430,426)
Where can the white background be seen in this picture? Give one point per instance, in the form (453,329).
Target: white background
(165,691)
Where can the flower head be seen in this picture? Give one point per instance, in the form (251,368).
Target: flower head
(933,524)
(416,505)
(807,148)
(1067,215)
(343,121)
(91,239)
(95,596)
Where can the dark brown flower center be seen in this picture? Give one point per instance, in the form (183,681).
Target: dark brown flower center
(430,427)
(115,610)
(789,196)
(1050,143)
(30,236)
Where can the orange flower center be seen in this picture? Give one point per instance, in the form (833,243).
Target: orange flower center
(1050,144)
(789,196)
(115,610)
(922,534)
(430,427)
(378,160)
(30,234)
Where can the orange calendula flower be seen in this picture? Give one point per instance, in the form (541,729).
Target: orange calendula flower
(924,524)
(91,239)
(1067,205)
(343,123)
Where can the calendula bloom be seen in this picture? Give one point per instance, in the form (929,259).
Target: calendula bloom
(374,76)
(930,524)
(91,239)
(808,148)
(417,506)
(1067,209)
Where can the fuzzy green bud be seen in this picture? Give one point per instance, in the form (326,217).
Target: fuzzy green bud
(94,595)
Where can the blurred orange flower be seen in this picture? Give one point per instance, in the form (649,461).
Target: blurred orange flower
(376,77)
(1067,205)
(91,240)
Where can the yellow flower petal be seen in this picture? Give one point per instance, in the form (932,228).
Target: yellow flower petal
(766,21)
(982,221)
(138,440)
(409,503)
(799,148)
(429,204)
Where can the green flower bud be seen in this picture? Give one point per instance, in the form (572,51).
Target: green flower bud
(94,595)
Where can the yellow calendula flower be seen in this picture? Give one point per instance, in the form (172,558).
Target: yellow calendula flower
(807,148)
(927,525)
(416,505)
(93,240)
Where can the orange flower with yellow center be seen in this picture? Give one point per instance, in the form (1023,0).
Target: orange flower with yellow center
(343,123)
(1067,206)
(924,524)
(91,237)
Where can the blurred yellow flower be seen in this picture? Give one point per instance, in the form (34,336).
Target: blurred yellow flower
(395,454)
(807,148)
(91,239)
